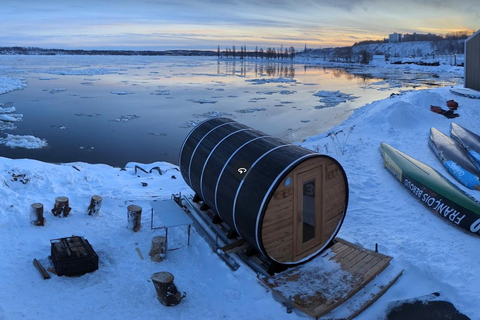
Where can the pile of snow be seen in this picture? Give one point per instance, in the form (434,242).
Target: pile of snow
(8,84)
(26,142)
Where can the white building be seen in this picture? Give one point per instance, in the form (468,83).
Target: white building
(395,37)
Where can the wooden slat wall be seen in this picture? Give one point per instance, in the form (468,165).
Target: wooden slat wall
(472,62)
(279,224)
(278,227)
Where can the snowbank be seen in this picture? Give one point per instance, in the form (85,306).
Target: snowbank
(439,256)
(121,287)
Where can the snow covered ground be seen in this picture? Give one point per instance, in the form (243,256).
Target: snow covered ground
(435,255)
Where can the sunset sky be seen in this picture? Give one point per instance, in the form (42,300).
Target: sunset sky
(189,24)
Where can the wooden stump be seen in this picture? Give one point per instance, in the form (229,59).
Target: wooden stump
(157,252)
(95,205)
(61,207)
(134,217)
(167,292)
(36,215)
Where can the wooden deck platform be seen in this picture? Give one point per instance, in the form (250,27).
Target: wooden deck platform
(340,283)
(330,280)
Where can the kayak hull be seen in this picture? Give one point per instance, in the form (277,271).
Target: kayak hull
(435,191)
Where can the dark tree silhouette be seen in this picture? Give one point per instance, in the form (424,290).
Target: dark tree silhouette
(291,51)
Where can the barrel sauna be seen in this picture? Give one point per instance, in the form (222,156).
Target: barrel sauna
(284,200)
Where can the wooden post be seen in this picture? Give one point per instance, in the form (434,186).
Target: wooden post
(41,269)
(157,252)
(95,205)
(61,207)
(36,215)
(134,217)
(167,292)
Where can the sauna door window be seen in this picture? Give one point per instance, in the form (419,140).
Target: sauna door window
(308,209)
(308,212)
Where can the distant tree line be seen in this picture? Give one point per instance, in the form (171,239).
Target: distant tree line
(41,51)
(270,53)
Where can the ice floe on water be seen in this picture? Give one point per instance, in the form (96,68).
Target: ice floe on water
(12,117)
(272,80)
(87,115)
(250,110)
(161,92)
(213,114)
(8,84)
(82,72)
(255,100)
(158,134)
(86,148)
(287,92)
(26,142)
(268,93)
(190,124)
(8,116)
(57,90)
(333,98)
(206,115)
(202,101)
(127,117)
(7,107)
(121,93)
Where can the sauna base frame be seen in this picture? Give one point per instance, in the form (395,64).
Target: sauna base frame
(372,274)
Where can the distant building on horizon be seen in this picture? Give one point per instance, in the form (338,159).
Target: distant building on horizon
(395,37)
(472,61)
(420,37)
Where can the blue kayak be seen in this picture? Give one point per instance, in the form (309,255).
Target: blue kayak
(455,159)
(469,140)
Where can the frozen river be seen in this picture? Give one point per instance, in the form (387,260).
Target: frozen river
(116,109)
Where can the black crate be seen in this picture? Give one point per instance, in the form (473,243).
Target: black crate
(73,256)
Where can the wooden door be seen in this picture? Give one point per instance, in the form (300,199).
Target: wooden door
(308,209)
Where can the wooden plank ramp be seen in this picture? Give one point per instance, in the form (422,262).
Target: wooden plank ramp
(332,280)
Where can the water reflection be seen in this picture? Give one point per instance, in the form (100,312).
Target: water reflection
(167,96)
(255,69)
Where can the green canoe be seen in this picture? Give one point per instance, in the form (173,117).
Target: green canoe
(433,189)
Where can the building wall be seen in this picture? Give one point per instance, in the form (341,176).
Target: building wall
(472,62)
(395,37)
